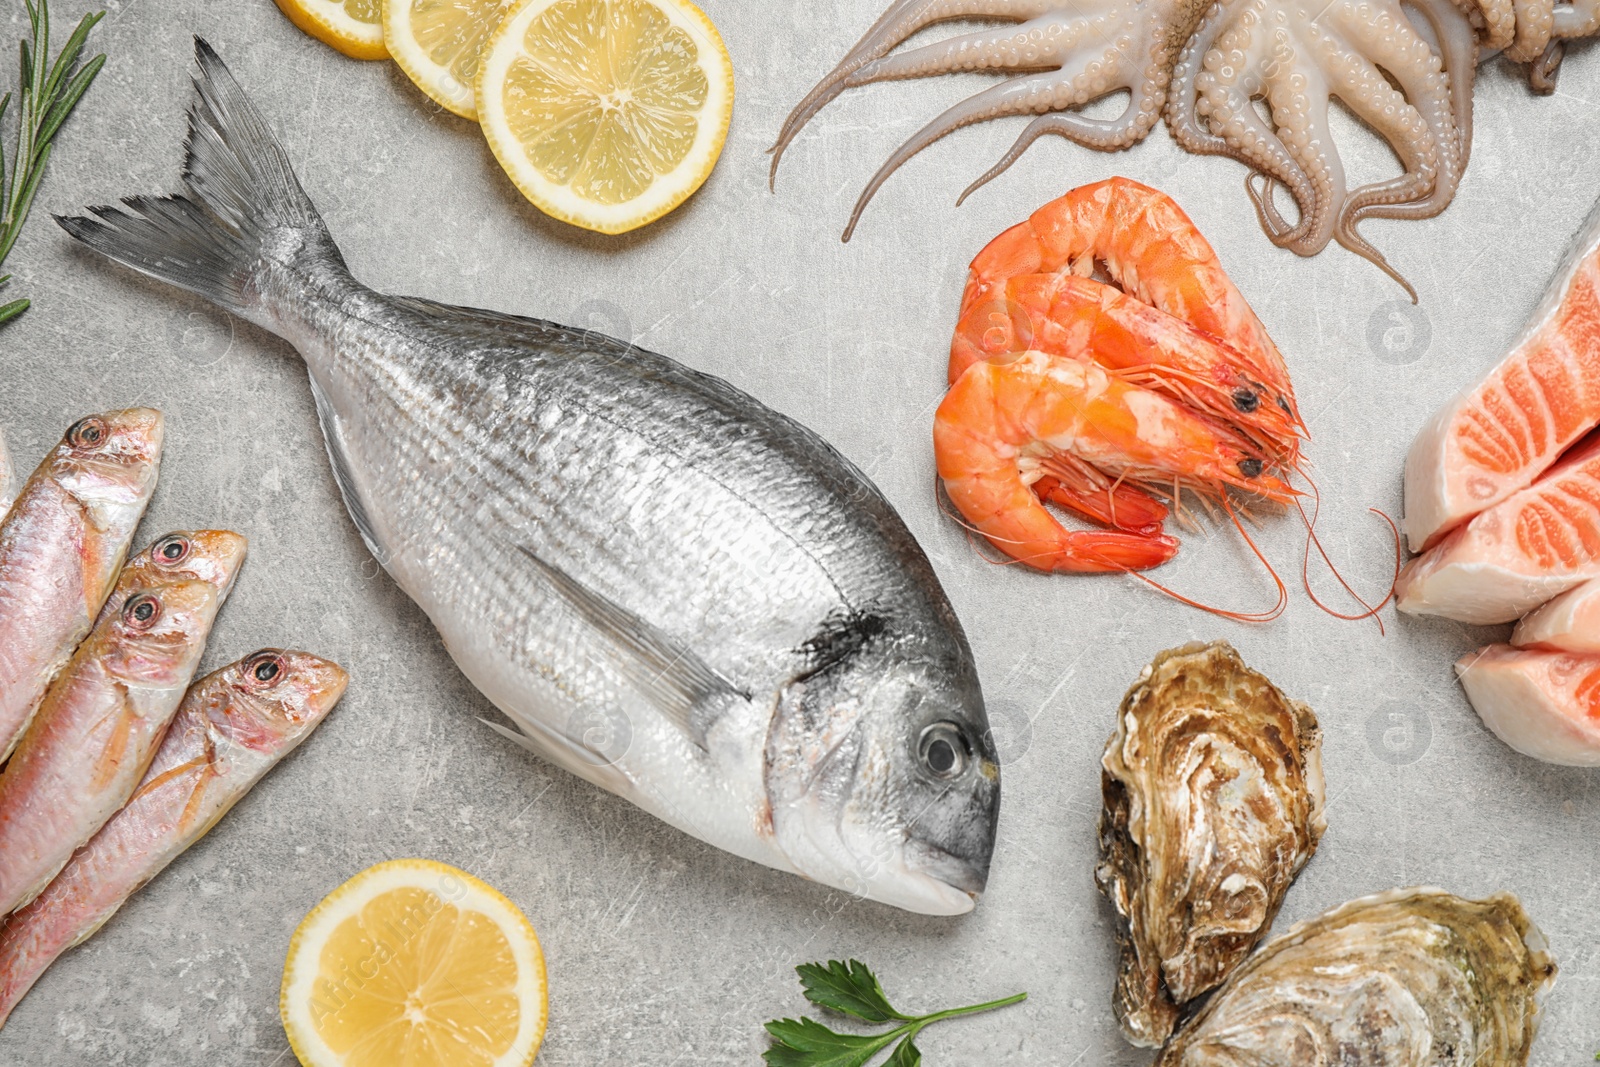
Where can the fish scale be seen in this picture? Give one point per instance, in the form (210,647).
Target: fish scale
(670,590)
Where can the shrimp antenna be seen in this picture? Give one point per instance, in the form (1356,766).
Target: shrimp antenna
(1238,616)
(1312,539)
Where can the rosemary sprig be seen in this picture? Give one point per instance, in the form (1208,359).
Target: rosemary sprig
(45,97)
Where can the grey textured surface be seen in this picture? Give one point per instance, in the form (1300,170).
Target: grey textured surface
(661,949)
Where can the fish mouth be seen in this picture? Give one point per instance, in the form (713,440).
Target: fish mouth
(940,864)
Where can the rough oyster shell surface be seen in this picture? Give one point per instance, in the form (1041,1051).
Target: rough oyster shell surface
(1213,803)
(1407,978)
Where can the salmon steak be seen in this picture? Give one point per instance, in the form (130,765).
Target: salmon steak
(1497,437)
(1511,558)
(1543,704)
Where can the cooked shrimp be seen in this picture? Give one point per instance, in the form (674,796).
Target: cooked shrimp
(1065,315)
(1004,426)
(1154,253)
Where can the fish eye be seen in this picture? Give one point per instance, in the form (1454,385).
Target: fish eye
(1246,400)
(141,611)
(944,751)
(87,433)
(264,669)
(171,549)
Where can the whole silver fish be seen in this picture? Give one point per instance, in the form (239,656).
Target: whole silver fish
(233,726)
(675,592)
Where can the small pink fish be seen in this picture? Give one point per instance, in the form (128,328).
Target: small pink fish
(232,727)
(61,545)
(97,730)
(5,477)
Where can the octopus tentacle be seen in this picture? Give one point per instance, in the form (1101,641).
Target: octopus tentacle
(1290,76)
(1581,18)
(1104,134)
(1009,48)
(1422,131)
(900,21)
(1535,22)
(1254,141)
(1031,94)
(1445,101)
(1578,19)
(1455,40)
(1496,18)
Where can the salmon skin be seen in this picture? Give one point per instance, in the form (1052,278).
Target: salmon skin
(233,726)
(61,545)
(1509,559)
(670,589)
(1497,437)
(97,729)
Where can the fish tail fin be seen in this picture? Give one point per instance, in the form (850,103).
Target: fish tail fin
(243,207)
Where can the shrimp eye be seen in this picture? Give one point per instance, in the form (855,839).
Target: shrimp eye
(87,433)
(264,669)
(1250,467)
(141,611)
(171,549)
(943,750)
(1246,400)
(1284,404)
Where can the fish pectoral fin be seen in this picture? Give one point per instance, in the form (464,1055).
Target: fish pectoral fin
(343,475)
(569,753)
(676,681)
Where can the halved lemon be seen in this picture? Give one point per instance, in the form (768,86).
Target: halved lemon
(606,113)
(437,44)
(354,27)
(414,963)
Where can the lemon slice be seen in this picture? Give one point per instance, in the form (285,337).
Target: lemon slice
(437,43)
(414,964)
(354,27)
(606,113)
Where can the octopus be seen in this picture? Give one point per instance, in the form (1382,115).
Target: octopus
(1248,79)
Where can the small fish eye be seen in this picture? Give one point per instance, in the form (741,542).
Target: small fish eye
(173,548)
(87,433)
(265,668)
(944,751)
(141,611)
(1250,467)
(1246,400)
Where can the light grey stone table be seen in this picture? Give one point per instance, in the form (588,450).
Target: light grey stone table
(661,949)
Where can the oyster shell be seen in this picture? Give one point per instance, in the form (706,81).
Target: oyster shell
(1409,977)
(1213,802)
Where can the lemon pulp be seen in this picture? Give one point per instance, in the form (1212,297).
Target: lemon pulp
(414,964)
(438,43)
(607,113)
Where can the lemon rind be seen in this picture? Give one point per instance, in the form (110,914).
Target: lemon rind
(430,77)
(668,191)
(294,994)
(314,19)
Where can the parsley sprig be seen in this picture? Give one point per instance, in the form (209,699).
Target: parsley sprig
(46,96)
(850,988)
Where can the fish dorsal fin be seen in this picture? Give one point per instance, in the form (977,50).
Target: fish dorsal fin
(679,683)
(342,475)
